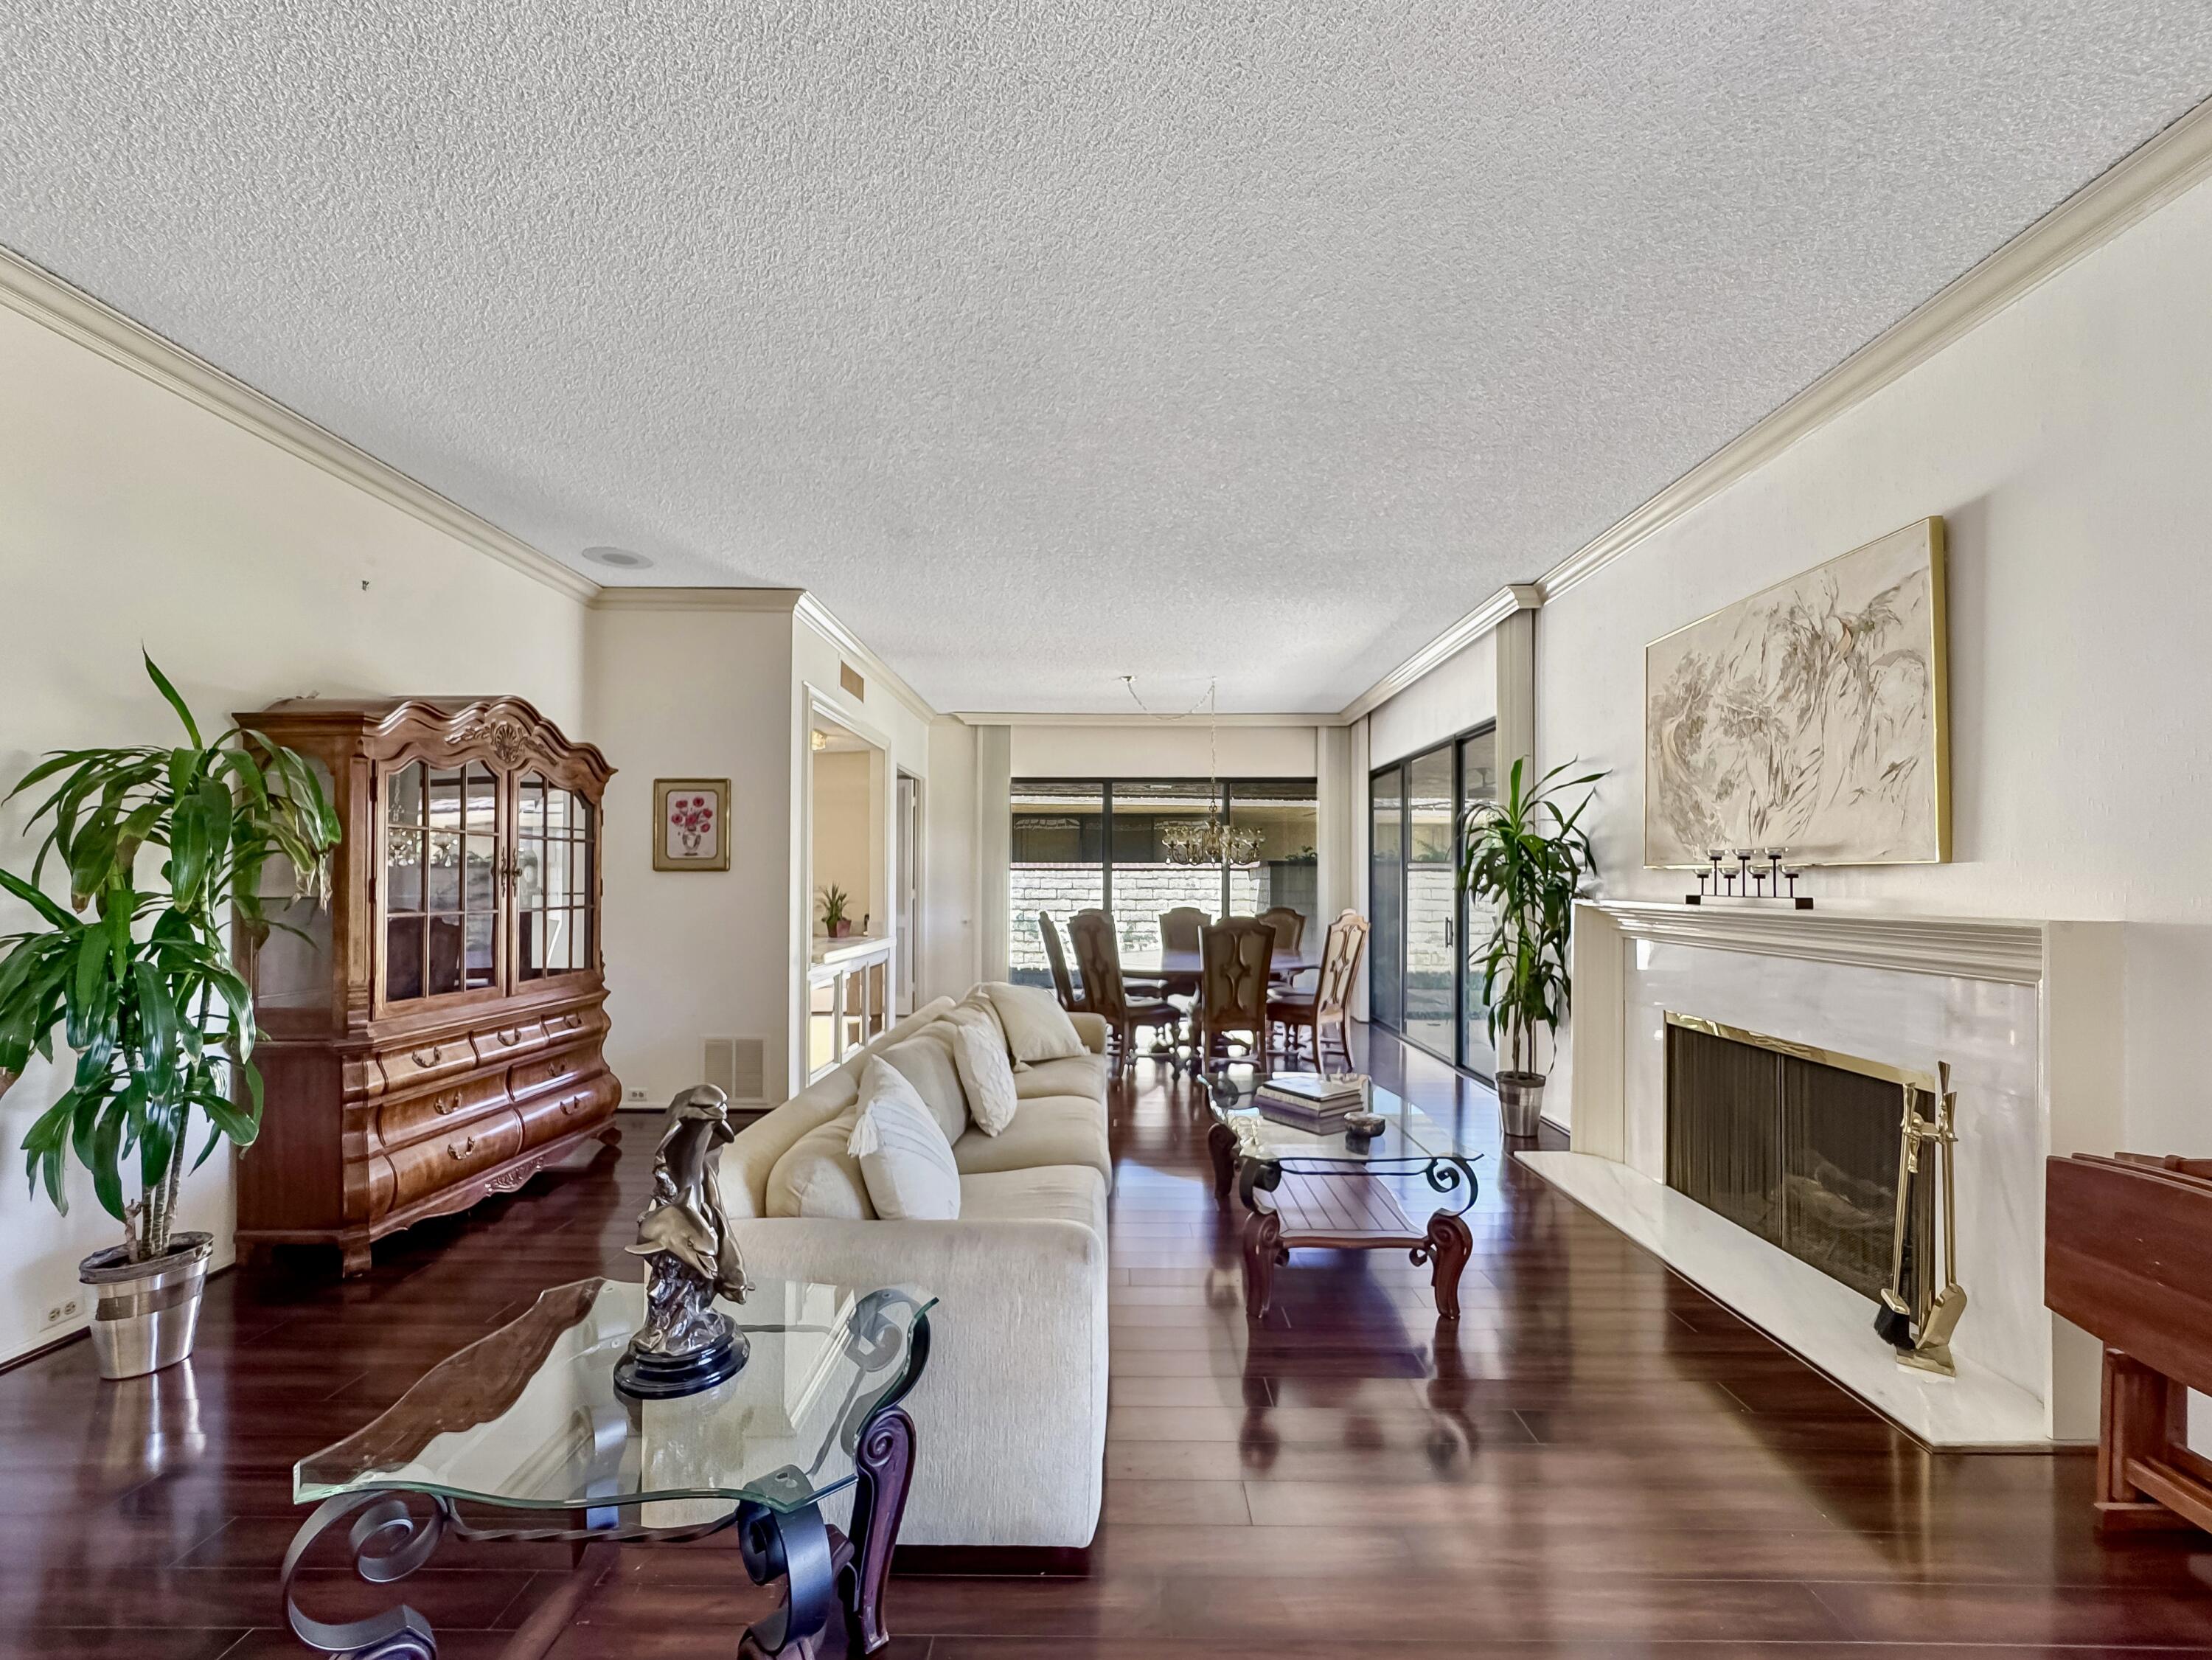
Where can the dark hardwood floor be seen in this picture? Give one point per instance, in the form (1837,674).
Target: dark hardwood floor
(1597,1461)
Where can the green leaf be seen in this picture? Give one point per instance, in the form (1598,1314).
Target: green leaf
(176,702)
(38,901)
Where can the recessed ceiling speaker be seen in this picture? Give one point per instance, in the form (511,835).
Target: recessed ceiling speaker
(620,558)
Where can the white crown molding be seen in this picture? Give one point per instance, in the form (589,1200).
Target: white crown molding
(1966,947)
(1137,722)
(46,299)
(1512,598)
(636,597)
(2176,160)
(818,616)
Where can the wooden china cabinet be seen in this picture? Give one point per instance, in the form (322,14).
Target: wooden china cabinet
(435,1036)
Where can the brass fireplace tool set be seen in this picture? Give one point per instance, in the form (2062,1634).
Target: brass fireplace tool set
(1919,1312)
(1747,874)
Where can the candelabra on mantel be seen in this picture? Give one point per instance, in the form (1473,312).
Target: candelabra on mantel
(1756,877)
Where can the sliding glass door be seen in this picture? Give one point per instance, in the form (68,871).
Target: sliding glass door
(1425,936)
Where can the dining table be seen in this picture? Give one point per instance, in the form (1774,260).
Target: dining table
(1176,972)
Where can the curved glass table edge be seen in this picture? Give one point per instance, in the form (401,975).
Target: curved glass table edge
(752,1492)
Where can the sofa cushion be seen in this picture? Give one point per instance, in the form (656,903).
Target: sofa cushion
(1075,1074)
(818,1177)
(1052,1129)
(905,1160)
(926,1062)
(1037,1027)
(979,1055)
(1055,1193)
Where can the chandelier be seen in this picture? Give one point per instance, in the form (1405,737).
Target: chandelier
(1211,840)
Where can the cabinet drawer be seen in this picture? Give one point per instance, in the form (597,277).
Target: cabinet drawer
(554,1071)
(408,1117)
(437,1162)
(571,1023)
(511,1040)
(413,1064)
(555,1112)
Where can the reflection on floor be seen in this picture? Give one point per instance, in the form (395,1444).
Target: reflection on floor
(1597,1461)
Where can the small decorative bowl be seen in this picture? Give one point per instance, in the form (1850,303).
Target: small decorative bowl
(1362,1125)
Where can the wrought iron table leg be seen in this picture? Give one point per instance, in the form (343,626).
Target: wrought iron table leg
(1221,1142)
(1263,1250)
(388,1544)
(794,1546)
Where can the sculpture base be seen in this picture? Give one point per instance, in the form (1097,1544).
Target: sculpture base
(649,1375)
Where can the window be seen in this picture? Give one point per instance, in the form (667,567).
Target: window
(1099,844)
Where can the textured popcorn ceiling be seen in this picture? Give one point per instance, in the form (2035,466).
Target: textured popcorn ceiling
(1050,343)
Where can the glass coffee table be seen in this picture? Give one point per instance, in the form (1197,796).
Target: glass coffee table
(528,1420)
(1304,1188)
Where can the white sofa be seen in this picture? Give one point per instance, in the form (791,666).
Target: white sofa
(1010,1416)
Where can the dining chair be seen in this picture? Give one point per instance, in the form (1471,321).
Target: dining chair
(1098,959)
(1234,958)
(1062,986)
(1289,927)
(1180,927)
(1329,1005)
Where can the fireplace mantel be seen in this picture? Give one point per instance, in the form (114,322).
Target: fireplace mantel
(1969,947)
(2028,1012)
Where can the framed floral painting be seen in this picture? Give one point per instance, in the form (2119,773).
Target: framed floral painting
(690,824)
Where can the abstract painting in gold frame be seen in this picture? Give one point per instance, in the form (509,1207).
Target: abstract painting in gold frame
(1813,717)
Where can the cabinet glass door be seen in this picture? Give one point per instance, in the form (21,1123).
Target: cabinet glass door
(441,857)
(553,886)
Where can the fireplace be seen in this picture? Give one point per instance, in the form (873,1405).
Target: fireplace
(1796,1144)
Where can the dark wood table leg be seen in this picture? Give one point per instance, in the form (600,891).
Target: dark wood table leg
(1221,1142)
(885,1461)
(1448,1244)
(1263,1250)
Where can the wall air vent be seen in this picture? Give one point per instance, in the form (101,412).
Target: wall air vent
(738,1068)
(849,677)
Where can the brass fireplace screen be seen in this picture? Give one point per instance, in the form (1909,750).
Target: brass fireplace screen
(1799,1144)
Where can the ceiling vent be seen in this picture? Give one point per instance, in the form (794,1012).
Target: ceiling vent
(738,1068)
(849,677)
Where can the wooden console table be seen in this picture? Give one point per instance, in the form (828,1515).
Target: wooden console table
(2128,1258)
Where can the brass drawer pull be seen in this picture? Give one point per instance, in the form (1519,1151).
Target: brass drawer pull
(459,1153)
(437,1054)
(445,1104)
(511,1036)
(573,1021)
(575,1103)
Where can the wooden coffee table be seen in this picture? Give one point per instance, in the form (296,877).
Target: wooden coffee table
(1304,1188)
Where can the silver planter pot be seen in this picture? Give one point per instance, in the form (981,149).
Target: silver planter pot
(1521,1102)
(147,1312)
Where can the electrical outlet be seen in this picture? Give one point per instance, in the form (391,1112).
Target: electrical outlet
(637,1098)
(58,1313)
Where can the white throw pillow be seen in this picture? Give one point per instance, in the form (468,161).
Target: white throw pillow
(1037,1027)
(904,1157)
(926,1062)
(817,1178)
(985,1072)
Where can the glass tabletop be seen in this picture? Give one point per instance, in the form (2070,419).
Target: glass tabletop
(1409,1134)
(529,1417)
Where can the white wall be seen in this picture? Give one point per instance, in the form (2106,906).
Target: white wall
(689,693)
(951,958)
(130,515)
(2064,441)
(1459,692)
(844,842)
(1157,749)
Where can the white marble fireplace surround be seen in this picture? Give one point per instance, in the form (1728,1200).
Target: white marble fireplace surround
(2028,1015)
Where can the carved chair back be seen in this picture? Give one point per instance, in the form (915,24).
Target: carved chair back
(1098,959)
(1233,966)
(1062,986)
(1339,962)
(1290,928)
(1180,927)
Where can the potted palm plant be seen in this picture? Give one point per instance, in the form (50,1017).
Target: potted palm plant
(139,982)
(835,906)
(1525,860)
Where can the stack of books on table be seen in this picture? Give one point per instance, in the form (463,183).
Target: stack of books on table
(1303,1097)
